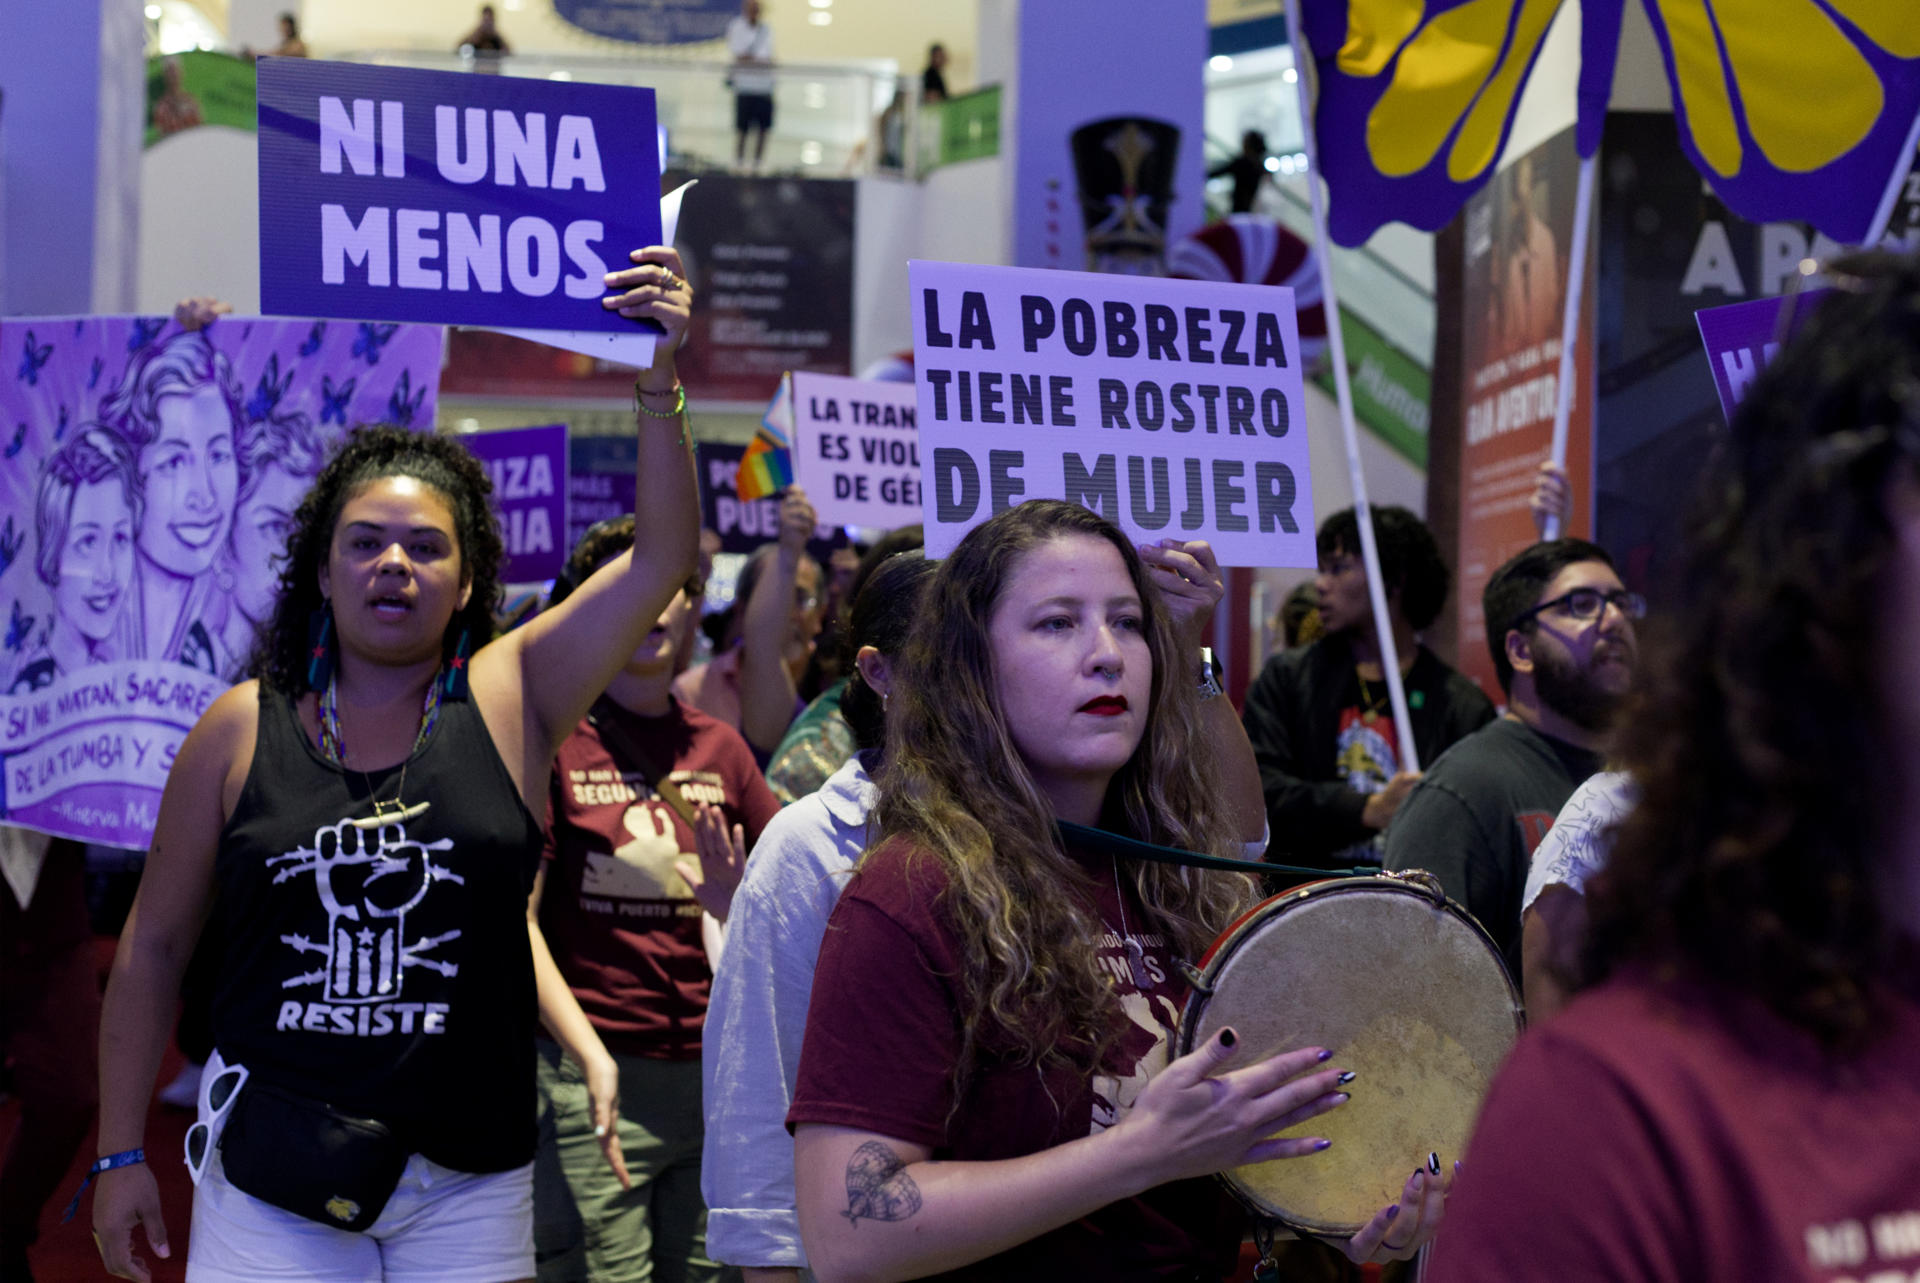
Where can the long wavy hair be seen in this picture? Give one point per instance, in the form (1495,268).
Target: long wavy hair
(367,455)
(1759,745)
(955,788)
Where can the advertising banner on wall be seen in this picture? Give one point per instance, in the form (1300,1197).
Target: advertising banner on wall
(1185,397)
(198,87)
(1517,232)
(771,261)
(1672,249)
(444,197)
(1108,164)
(856,450)
(529,467)
(650,22)
(148,481)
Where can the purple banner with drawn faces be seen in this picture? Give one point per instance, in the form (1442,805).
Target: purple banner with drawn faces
(148,478)
(529,471)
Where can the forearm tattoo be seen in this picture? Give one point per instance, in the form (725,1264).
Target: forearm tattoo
(878,1186)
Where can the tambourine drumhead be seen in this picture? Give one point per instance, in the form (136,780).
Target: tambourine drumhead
(1406,990)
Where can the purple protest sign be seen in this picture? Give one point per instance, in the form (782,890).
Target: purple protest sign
(1742,337)
(149,478)
(440,196)
(528,467)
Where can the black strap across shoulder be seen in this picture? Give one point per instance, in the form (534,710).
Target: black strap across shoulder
(1134,849)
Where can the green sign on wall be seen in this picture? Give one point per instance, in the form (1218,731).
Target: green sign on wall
(1392,392)
(198,87)
(962,128)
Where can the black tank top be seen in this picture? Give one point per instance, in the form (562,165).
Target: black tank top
(385,970)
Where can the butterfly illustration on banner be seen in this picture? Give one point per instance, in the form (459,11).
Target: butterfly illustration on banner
(1791,109)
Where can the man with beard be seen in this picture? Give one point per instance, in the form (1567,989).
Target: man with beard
(1561,629)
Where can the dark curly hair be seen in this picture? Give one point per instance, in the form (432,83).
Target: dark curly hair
(367,455)
(1409,558)
(1515,588)
(1759,745)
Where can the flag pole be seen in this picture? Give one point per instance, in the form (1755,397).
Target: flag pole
(1362,509)
(1570,331)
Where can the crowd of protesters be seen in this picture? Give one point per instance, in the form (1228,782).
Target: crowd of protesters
(812,956)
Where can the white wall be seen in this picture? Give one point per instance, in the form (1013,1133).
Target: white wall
(955,216)
(199,225)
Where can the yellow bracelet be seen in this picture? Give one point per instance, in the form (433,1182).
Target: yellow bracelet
(679,405)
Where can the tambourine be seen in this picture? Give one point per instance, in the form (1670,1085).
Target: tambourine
(1406,990)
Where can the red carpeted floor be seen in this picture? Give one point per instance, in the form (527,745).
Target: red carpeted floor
(65,1253)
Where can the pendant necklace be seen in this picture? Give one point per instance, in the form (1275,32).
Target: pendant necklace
(1369,711)
(333,748)
(1136,955)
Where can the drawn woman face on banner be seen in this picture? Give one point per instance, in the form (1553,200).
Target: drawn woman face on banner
(96,565)
(188,479)
(282,456)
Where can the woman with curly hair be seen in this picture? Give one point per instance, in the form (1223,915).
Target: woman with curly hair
(984,1088)
(1737,1096)
(362,824)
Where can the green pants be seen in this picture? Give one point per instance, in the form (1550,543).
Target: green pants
(586,1228)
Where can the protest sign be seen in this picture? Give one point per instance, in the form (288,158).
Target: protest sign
(149,479)
(1742,338)
(437,196)
(1175,409)
(744,524)
(527,466)
(856,451)
(600,482)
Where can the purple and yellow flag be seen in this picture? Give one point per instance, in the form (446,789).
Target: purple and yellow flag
(767,466)
(1791,109)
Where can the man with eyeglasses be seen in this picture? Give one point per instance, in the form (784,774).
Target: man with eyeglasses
(1561,629)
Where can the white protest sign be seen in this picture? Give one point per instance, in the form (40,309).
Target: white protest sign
(1176,409)
(856,451)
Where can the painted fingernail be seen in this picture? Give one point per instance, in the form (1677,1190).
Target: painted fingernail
(1341,1098)
(1227,1038)
(1345,1078)
(1324,1056)
(600,1132)
(1456,1167)
(1433,1163)
(1322,1144)
(1393,1211)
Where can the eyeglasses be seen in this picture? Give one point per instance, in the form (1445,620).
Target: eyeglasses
(221,1093)
(1587,604)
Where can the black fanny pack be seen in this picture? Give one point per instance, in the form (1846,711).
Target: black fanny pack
(305,1157)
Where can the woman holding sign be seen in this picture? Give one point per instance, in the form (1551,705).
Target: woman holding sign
(994,995)
(363,822)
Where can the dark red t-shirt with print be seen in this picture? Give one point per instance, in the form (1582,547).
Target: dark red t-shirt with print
(883,1031)
(622,923)
(1665,1130)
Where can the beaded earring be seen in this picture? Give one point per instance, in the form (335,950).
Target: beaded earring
(456,681)
(320,646)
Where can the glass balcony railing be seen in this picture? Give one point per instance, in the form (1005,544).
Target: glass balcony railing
(830,120)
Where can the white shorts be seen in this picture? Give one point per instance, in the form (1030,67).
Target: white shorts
(440,1225)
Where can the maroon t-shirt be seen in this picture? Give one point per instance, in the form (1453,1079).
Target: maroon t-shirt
(621,921)
(1672,1132)
(883,1031)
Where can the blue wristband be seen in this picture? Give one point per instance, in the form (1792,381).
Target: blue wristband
(125,1158)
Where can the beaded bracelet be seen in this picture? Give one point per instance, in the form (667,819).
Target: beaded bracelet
(678,392)
(679,410)
(125,1158)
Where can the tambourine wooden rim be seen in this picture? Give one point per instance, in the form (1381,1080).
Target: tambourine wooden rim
(1248,927)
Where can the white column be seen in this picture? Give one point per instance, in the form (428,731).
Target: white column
(72,104)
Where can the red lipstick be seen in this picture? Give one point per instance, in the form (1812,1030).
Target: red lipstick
(1105,705)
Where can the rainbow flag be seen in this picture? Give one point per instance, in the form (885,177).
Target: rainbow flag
(767,467)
